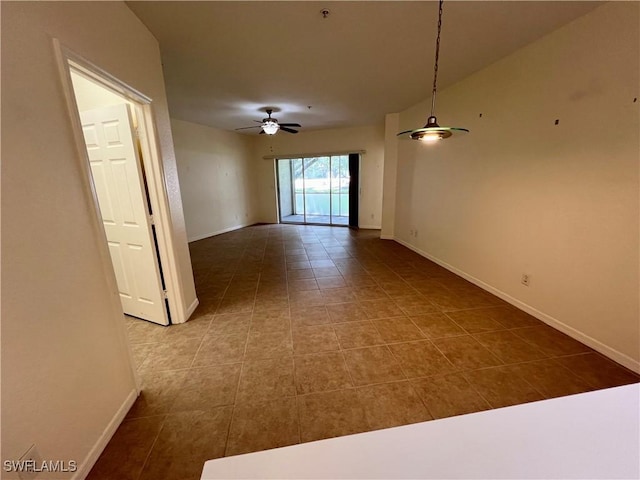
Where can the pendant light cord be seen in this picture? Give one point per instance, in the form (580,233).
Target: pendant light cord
(432,131)
(435,68)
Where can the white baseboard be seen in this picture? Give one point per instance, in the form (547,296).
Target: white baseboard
(192,308)
(388,237)
(370,227)
(597,345)
(218,232)
(183,315)
(92,457)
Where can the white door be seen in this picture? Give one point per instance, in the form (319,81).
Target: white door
(119,185)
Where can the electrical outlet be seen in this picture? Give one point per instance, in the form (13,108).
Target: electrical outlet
(411,233)
(33,458)
(526,279)
(416,233)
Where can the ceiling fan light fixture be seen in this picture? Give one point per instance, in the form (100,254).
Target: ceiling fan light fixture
(432,132)
(270,127)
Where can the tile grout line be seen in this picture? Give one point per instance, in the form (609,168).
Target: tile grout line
(200,344)
(146,460)
(240,373)
(295,383)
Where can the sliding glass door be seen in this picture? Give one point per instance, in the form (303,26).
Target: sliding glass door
(314,190)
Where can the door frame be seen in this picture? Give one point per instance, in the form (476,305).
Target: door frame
(156,310)
(153,166)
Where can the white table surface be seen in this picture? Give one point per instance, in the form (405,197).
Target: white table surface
(590,435)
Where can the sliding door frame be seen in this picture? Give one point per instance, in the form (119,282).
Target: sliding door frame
(353,162)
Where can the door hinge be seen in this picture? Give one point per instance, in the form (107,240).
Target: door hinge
(152,221)
(165,294)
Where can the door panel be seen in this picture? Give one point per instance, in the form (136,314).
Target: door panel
(285,188)
(119,186)
(119,269)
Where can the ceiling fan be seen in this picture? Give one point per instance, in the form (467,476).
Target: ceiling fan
(270,125)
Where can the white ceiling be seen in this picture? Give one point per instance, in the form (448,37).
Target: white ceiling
(226,60)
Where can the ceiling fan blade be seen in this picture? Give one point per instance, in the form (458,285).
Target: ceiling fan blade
(286,129)
(261,132)
(244,128)
(258,121)
(290,125)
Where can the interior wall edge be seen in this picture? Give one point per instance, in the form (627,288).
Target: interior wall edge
(192,308)
(574,333)
(94,453)
(390,174)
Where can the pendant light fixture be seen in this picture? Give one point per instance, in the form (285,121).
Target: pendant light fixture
(432,132)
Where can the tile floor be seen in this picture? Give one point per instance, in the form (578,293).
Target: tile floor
(307,332)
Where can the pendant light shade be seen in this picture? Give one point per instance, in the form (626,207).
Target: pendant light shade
(432,132)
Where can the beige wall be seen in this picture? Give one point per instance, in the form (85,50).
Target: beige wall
(65,365)
(370,139)
(520,194)
(216,178)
